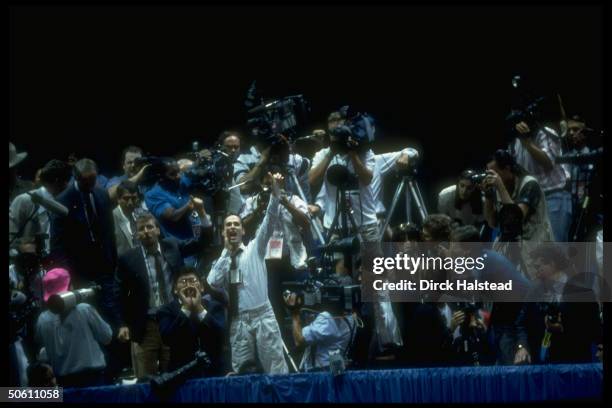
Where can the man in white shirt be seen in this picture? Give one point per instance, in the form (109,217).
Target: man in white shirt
(361,200)
(536,151)
(385,162)
(241,270)
(27,219)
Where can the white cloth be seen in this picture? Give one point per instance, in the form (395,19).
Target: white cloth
(547,140)
(385,162)
(255,335)
(20,211)
(292,237)
(446,205)
(253,291)
(299,166)
(362,201)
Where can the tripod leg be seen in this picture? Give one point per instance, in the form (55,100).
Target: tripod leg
(289,357)
(418,199)
(314,225)
(396,196)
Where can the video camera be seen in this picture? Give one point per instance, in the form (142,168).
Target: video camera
(356,133)
(528,110)
(335,299)
(156,170)
(61,303)
(581,158)
(210,174)
(268,120)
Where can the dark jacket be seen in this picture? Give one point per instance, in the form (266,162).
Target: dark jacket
(132,281)
(428,341)
(582,326)
(71,243)
(185,336)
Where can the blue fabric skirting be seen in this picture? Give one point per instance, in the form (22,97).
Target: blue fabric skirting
(455,384)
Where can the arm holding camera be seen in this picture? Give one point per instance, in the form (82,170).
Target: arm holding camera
(317,171)
(255,173)
(536,151)
(136,179)
(299,217)
(253,218)
(265,230)
(292,303)
(363,170)
(494,181)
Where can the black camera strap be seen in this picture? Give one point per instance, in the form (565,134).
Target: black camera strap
(22,228)
(353,330)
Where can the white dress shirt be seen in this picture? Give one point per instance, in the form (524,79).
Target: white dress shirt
(361,201)
(385,162)
(292,238)
(253,291)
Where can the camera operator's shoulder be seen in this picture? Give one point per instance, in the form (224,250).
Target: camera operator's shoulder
(84,308)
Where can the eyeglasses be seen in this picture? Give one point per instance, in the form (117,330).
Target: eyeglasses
(185,281)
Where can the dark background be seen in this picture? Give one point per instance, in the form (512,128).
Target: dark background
(94,79)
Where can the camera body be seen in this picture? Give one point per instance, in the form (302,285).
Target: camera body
(478,178)
(156,170)
(357,133)
(211,175)
(280,116)
(335,299)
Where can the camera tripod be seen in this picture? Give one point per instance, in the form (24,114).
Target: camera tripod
(413,192)
(313,223)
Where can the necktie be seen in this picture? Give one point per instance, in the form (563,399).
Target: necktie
(233,290)
(133,229)
(161,279)
(91,217)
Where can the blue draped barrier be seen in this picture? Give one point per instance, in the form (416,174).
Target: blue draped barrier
(455,384)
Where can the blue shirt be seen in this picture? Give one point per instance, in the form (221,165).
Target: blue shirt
(73,344)
(323,335)
(115,180)
(158,199)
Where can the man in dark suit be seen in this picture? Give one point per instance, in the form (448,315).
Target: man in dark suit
(84,241)
(193,322)
(565,327)
(143,284)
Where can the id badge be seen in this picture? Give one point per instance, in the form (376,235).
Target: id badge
(275,247)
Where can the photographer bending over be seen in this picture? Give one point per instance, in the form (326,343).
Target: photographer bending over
(72,339)
(328,338)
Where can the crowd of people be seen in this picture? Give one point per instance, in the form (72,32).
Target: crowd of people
(176,273)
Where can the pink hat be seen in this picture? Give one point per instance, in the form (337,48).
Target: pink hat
(55,281)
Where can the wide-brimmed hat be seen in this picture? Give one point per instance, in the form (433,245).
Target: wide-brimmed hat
(14,157)
(55,281)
